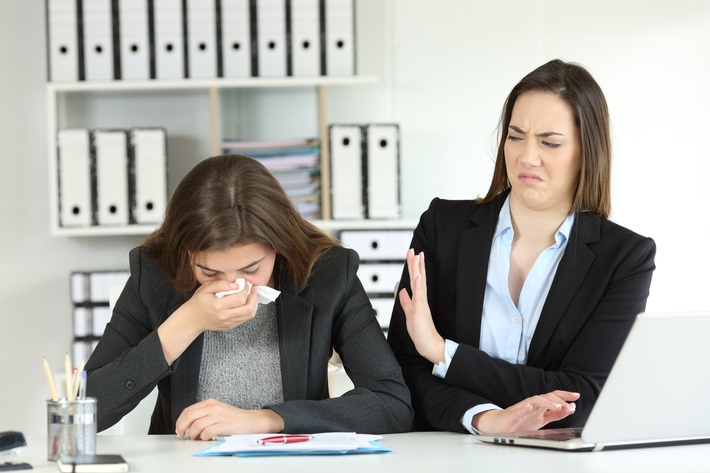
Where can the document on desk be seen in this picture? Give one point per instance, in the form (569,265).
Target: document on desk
(254,445)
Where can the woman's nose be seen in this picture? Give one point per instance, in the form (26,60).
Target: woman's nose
(530,155)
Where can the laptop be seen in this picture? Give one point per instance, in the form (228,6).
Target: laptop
(657,393)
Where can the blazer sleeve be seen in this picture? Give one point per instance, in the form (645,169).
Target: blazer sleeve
(128,361)
(587,334)
(437,404)
(380,400)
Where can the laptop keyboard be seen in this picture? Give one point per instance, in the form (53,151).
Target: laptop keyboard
(553,434)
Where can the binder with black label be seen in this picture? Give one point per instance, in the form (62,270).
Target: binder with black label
(109,152)
(202,41)
(98,40)
(382,171)
(168,39)
(236,38)
(133,39)
(339,37)
(148,177)
(74,175)
(305,22)
(64,41)
(271,37)
(347,186)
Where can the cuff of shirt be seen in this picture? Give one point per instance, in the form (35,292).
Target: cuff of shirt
(468,416)
(442,367)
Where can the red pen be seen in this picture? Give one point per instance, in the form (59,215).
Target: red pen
(281,439)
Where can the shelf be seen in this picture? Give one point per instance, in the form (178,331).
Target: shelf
(326,225)
(57,90)
(103,231)
(365,224)
(217,83)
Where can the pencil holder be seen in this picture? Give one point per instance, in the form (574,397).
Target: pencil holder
(71,427)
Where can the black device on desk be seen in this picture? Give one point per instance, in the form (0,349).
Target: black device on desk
(92,463)
(9,440)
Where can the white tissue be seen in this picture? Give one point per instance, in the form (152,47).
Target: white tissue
(240,287)
(266,294)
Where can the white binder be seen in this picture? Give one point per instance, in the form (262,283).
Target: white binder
(101,282)
(74,156)
(339,37)
(380,278)
(201,38)
(63,40)
(383,183)
(149,172)
(305,38)
(346,172)
(169,39)
(271,37)
(81,350)
(378,245)
(100,316)
(133,39)
(110,155)
(83,326)
(236,38)
(383,310)
(79,287)
(98,40)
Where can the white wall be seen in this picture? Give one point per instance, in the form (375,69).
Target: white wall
(444,69)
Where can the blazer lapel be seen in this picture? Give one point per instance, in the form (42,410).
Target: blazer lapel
(474,253)
(572,270)
(294,340)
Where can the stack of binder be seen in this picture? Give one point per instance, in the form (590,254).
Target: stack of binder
(382,257)
(294,163)
(365,171)
(90,292)
(96,40)
(111,177)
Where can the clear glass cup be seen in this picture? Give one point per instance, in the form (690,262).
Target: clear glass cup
(71,427)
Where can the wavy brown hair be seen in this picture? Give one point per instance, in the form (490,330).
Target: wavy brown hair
(232,200)
(577,88)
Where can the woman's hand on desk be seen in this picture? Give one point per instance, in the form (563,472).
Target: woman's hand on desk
(532,413)
(420,325)
(207,419)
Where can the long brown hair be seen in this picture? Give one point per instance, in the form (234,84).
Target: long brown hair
(232,200)
(575,86)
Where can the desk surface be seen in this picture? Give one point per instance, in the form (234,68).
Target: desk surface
(420,451)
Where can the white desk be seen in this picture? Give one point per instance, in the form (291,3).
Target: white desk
(435,452)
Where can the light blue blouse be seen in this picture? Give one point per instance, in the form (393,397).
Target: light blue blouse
(506,330)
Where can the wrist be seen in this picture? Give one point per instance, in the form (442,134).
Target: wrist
(437,353)
(176,333)
(476,421)
(271,421)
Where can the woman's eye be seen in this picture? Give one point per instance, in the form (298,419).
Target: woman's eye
(252,272)
(551,145)
(514,138)
(208,275)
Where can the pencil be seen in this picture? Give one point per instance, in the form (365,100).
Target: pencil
(82,386)
(77,379)
(50,381)
(67,373)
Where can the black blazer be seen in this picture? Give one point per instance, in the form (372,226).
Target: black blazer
(332,312)
(601,284)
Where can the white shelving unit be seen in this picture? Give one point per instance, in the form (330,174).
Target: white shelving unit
(56,92)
